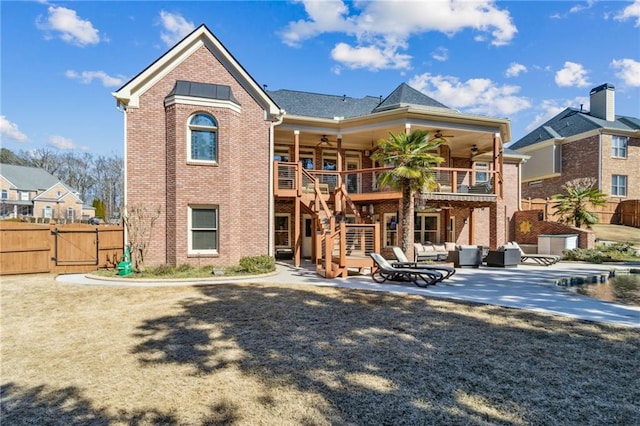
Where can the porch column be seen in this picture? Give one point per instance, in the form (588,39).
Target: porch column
(297,236)
(339,168)
(296,146)
(407,128)
(498,164)
(472,227)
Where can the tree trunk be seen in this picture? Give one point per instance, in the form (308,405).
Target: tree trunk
(407,221)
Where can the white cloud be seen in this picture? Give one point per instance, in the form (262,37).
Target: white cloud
(175,27)
(630,12)
(61,142)
(628,71)
(382,29)
(582,6)
(371,57)
(10,130)
(86,77)
(477,96)
(440,54)
(515,69)
(70,27)
(572,75)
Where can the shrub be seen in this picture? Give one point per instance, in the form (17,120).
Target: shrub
(258,264)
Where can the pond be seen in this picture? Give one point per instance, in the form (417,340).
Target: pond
(623,288)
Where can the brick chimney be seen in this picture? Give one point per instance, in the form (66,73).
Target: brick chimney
(602,100)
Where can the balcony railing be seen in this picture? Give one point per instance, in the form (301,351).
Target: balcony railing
(448,180)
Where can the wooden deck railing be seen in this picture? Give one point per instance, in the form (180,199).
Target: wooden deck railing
(448,180)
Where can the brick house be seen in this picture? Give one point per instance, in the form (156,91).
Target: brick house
(236,170)
(31,192)
(578,143)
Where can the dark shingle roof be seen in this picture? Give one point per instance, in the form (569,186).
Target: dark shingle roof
(28,178)
(572,122)
(405,95)
(329,106)
(323,106)
(202,90)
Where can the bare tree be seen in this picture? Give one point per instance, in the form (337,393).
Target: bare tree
(139,222)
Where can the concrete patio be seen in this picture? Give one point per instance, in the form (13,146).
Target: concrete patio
(529,287)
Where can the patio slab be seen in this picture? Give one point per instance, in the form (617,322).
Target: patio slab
(529,287)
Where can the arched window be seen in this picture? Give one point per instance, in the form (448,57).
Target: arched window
(203,138)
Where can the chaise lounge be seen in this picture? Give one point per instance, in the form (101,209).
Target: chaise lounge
(540,259)
(403,262)
(383,271)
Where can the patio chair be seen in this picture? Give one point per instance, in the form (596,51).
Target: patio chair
(540,259)
(383,271)
(403,262)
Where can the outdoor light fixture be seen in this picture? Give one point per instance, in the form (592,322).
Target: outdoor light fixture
(474,150)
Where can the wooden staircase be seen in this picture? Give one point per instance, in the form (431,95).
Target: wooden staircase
(338,245)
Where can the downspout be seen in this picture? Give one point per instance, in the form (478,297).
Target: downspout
(600,161)
(271,206)
(123,109)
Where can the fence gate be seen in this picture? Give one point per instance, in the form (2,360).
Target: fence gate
(76,247)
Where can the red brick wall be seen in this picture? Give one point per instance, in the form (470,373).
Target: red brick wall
(580,159)
(629,167)
(586,238)
(158,174)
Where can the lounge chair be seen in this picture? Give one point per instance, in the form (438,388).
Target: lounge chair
(540,259)
(403,262)
(384,271)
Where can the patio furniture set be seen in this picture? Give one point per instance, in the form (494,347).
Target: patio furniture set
(424,274)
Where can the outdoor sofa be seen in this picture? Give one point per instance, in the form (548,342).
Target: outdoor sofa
(429,251)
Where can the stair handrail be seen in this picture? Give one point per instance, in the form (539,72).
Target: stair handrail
(342,192)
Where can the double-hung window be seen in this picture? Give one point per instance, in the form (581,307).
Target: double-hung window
(619,147)
(203,230)
(619,186)
(482,172)
(203,138)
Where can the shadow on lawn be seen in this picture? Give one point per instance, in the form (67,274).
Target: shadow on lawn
(43,405)
(379,358)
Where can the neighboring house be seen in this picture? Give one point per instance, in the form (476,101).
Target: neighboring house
(580,143)
(236,170)
(33,192)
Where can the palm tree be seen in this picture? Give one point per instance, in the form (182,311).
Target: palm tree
(411,156)
(572,207)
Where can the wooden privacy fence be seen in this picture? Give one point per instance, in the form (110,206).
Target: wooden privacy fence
(27,248)
(625,212)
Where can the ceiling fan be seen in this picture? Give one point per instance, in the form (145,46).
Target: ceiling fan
(324,141)
(439,136)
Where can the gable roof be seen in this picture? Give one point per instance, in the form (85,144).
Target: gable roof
(571,122)
(28,178)
(128,95)
(329,106)
(405,95)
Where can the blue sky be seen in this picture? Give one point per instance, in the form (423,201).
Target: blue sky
(524,60)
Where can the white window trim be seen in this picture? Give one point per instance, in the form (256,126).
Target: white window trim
(626,186)
(197,127)
(384,228)
(190,250)
(626,149)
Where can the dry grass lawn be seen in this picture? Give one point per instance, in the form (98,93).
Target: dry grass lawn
(291,355)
